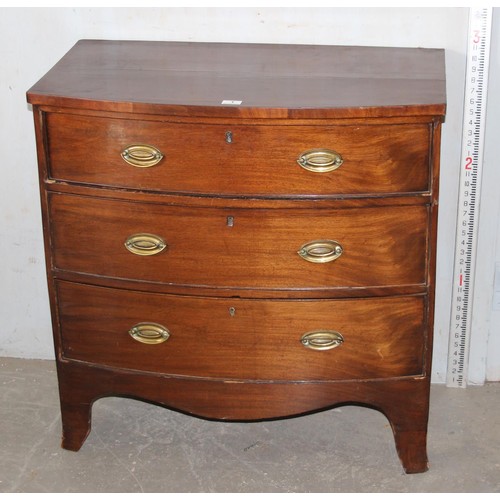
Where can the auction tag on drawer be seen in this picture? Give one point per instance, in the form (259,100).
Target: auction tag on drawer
(227,101)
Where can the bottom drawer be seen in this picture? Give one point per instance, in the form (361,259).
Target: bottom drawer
(243,338)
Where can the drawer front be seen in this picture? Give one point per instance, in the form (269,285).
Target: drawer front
(240,248)
(242,339)
(259,160)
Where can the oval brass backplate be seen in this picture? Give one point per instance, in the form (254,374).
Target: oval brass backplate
(321,251)
(145,244)
(149,333)
(320,160)
(142,155)
(322,340)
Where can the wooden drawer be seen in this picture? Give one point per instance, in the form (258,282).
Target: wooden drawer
(243,339)
(240,248)
(260,161)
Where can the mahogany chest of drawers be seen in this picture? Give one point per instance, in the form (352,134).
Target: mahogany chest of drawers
(242,231)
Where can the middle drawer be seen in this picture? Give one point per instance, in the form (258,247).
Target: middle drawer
(240,248)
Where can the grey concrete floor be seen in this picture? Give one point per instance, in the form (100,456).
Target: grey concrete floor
(137,447)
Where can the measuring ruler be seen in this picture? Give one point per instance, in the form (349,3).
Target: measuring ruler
(478,51)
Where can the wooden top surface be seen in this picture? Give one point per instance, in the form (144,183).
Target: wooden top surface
(271,81)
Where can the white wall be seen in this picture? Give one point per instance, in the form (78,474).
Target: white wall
(32,40)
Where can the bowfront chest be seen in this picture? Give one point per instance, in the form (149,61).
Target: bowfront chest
(242,231)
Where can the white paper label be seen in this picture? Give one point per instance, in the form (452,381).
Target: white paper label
(227,101)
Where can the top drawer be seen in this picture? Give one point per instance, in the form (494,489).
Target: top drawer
(235,159)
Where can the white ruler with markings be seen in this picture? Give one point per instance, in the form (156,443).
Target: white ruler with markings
(478,51)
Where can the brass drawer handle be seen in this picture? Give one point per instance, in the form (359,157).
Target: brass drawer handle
(142,155)
(322,340)
(145,244)
(149,333)
(321,251)
(320,160)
